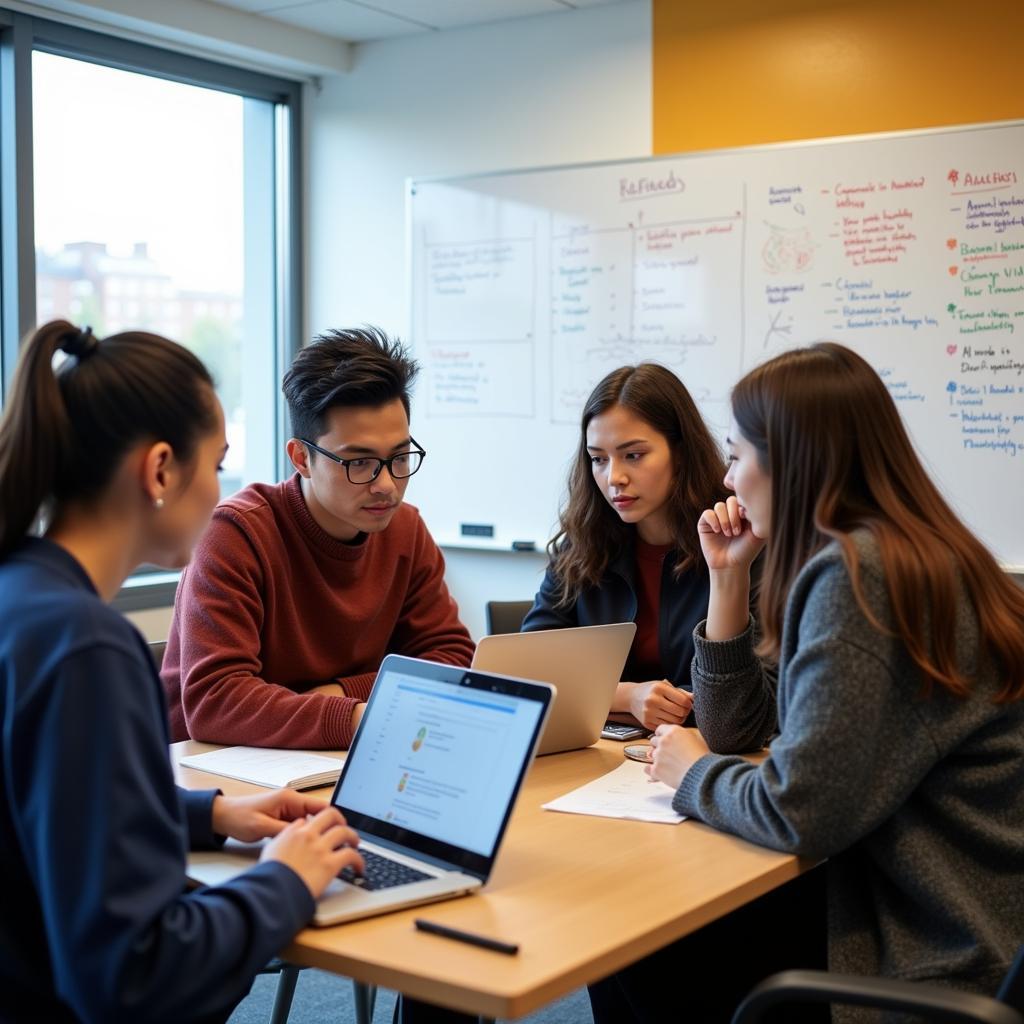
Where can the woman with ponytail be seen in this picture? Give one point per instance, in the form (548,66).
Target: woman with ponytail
(109,452)
(899,645)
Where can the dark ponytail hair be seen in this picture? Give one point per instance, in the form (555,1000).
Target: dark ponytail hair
(65,430)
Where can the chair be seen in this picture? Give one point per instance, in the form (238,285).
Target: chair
(156,649)
(933,1002)
(506,616)
(365,995)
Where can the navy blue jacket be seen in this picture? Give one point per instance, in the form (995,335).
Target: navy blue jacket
(97,925)
(684,603)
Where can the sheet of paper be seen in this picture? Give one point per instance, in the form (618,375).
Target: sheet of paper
(626,792)
(268,766)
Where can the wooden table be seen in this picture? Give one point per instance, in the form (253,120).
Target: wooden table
(582,896)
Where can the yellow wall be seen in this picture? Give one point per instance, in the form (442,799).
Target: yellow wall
(740,72)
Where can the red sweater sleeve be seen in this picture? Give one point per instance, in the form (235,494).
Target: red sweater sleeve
(358,686)
(218,617)
(429,625)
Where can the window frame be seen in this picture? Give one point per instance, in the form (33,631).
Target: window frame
(20,36)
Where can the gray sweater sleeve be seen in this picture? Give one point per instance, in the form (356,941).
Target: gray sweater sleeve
(734,693)
(842,715)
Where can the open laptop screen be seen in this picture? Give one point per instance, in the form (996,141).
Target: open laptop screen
(439,757)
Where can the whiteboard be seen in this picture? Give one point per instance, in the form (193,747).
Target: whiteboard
(528,287)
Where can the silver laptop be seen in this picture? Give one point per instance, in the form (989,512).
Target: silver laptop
(585,665)
(429,784)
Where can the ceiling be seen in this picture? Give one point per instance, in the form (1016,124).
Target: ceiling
(359,21)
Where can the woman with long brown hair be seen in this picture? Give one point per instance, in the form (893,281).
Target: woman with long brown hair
(645,469)
(899,646)
(115,446)
(626,551)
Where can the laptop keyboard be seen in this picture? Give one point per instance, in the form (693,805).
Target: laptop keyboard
(382,873)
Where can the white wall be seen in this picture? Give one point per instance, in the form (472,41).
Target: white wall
(153,623)
(554,89)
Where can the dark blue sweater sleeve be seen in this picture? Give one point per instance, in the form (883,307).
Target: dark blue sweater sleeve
(546,613)
(198,807)
(104,830)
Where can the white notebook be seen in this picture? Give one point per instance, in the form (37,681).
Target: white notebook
(269,766)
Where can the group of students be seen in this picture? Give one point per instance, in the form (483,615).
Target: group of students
(879,650)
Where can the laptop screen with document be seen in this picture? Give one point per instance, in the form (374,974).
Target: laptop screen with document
(439,757)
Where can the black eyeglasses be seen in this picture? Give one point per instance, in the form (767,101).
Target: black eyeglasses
(366,469)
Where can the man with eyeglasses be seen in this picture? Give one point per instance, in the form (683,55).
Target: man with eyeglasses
(298,590)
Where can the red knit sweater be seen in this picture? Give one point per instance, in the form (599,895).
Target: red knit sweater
(271,606)
(644,660)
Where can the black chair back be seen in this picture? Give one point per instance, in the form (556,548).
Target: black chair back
(506,616)
(156,649)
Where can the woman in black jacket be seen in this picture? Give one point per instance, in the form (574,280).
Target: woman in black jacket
(627,548)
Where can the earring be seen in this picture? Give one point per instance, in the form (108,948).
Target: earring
(158,503)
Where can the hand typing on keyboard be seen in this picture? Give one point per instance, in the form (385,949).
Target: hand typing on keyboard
(381,873)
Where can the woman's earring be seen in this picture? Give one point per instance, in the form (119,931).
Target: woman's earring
(158,503)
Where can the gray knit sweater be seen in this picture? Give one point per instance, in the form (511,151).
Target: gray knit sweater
(917,802)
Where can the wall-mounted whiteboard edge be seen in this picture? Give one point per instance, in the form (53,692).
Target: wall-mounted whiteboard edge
(696,154)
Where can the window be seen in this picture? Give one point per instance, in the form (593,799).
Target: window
(141,188)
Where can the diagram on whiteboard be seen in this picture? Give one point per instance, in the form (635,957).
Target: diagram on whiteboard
(639,290)
(478,318)
(788,250)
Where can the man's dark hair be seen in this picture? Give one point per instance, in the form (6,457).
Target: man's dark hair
(359,366)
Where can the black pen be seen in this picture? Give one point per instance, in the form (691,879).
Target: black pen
(474,940)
